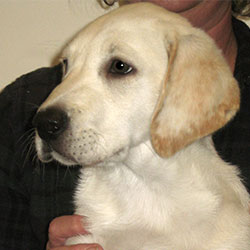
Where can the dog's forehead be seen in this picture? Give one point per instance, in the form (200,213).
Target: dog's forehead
(133,21)
(118,21)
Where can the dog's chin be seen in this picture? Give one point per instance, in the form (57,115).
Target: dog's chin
(46,157)
(63,160)
(47,154)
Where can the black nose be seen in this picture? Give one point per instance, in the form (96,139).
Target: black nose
(50,123)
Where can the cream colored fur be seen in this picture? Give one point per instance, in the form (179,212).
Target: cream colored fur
(151,179)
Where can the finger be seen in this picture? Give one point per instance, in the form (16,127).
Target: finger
(64,227)
(79,247)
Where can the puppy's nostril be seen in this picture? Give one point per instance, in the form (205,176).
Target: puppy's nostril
(50,123)
(53,127)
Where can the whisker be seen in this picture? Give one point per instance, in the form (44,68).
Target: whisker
(26,143)
(67,171)
(25,135)
(32,104)
(28,151)
(39,167)
(102,144)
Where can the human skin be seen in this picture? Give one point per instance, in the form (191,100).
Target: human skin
(61,228)
(214,17)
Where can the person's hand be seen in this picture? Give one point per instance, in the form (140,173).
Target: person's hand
(64,227)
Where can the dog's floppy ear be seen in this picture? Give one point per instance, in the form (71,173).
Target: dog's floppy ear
(198,97)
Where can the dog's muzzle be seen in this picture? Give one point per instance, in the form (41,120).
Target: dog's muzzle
(55,139)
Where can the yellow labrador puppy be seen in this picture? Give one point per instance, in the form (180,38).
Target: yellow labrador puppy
(142,92)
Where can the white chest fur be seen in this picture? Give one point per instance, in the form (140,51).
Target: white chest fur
(147,202)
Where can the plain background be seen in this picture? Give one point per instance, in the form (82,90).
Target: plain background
(33,32)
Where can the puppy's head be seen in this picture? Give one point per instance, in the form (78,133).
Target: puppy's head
(137,73)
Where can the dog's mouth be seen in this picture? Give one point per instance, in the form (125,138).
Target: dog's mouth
(48,152)
(45,154)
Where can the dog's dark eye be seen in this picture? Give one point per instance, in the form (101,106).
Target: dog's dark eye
(65,65)
(120,67)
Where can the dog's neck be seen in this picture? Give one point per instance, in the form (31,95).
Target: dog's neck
(143,160)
